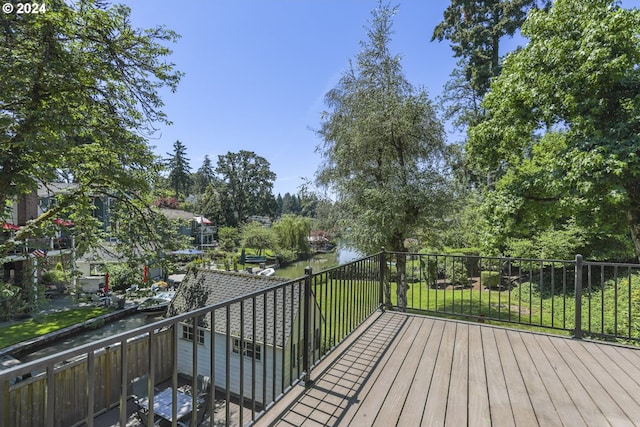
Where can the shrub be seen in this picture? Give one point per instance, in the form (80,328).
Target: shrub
(286,256)
(455,270)
(12,302)
(122,277)
(490,279)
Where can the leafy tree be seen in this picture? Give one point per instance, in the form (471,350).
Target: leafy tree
(383,149)
(247,183)
(79,90)
(293,233)
(204,177)
(572,91)
(254,235)
(228,237)
(210,205)
(179,170)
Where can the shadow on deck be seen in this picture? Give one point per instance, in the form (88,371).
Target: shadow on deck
(408,370)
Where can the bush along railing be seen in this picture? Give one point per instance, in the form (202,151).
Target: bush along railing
(253,348)
(592,299)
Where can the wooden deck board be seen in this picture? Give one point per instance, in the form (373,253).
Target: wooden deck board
(409,370)
(594,380)
(457,402)
(478,409)
(523,413)
(499,405)
(549,372)
(399,391)
(436,400)
(413,410)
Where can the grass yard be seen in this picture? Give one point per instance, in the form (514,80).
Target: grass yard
(612,309)
(42,325)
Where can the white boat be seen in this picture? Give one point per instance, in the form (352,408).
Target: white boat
(156,304)
(267,272)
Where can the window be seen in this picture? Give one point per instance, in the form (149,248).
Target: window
(187,334)
(248,349)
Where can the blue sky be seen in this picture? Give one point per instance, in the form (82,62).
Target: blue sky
(256,71)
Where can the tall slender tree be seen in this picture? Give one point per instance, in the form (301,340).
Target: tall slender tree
(383,149)
(204,176)
(179,170)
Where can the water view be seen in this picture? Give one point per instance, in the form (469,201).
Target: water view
(321,261)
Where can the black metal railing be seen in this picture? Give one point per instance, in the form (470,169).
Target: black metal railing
(254,348)
(258,346)
(585,298)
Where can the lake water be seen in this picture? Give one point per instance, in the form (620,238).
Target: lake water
(342,255)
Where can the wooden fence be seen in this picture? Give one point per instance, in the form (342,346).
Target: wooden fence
(27,398)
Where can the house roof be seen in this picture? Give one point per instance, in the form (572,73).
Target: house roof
(201,288)
(177,214)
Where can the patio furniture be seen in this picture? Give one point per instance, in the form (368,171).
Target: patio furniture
(140,394)
(162,405)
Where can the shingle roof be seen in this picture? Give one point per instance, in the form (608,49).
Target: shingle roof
(201,288)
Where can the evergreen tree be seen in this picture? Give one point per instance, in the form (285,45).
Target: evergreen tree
(204,177)
(179,170)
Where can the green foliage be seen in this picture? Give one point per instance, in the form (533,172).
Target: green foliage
(228,238)
(293,233)
(210,205)
(475,28)
(204,177)
(286,256)
(12,302)
(561,128)
(383,148)
(179,170)
(455,270)
(246,183)
(549,244)
(57,275)
(79,89)
(490,279)
(258,237)
(368,162)
(22,331)
(123,276)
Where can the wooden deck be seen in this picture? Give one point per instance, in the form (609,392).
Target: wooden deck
(405,370)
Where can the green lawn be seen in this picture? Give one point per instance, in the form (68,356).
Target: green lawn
(48,323)
(613,309)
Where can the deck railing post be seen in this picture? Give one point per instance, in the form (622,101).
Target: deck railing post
(308,272)
(577,332)
(382,273)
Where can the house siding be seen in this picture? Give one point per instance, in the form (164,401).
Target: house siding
(185,366)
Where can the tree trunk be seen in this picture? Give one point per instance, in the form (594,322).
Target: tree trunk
(401,290)
(401,267)
(387,286)
(634,226)
(633,215)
